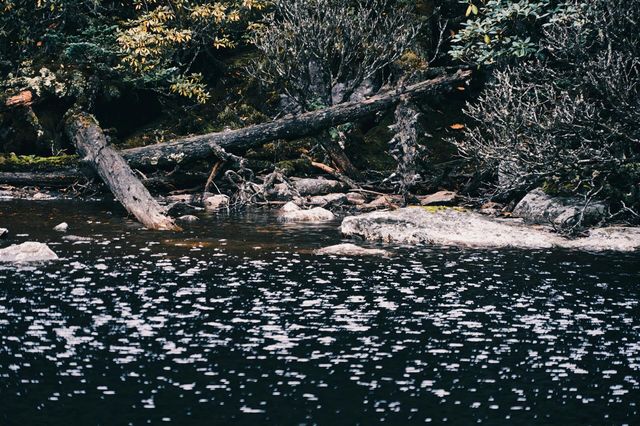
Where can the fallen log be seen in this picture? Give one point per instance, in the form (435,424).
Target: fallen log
(202,146)
(54,179)
(91,144)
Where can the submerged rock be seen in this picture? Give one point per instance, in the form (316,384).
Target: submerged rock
(291,212)
(441,198)
(539,208)
(452,227)
(63,227)
(27,252)
(216,203)
(350,250)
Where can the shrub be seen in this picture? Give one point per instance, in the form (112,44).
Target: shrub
(570,120)
(319,52)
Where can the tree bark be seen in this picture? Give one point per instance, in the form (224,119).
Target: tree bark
(91,144)
(310,123)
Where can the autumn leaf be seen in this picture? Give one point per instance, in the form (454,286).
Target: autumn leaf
(457,126)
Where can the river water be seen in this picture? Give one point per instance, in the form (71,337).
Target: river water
(235,321)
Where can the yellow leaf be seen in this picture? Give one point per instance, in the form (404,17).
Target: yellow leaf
(457,126)
(474,9)
(469,10)
(487,39)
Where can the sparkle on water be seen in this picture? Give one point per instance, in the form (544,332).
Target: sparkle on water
(236,321)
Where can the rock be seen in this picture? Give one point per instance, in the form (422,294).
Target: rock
(63,227)
(491,208)
(27,252)
(442,198)
(188,218)
(4,232)
(305,187)
(329,199)
(77,239)
(382,202)
(350,250)
(216,203)
(452,227)
(356,198)
(290,212)
(319,186)
(539,208)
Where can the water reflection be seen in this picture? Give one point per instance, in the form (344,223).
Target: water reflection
(239,323)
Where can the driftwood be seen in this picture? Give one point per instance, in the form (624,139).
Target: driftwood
(91,144)
(202,146)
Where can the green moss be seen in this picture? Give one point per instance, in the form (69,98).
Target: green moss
(13,162)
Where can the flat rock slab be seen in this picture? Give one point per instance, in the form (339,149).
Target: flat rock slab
(27,252)
(350,250)
(452,227)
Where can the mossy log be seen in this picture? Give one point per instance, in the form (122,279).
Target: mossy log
(91,144)
(201,146)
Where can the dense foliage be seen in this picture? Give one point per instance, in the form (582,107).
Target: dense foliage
(569,120)
(80,48)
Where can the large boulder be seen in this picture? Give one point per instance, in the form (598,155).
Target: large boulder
(539,208)
(350,250)
(27,252)
(454,227)
(290,212)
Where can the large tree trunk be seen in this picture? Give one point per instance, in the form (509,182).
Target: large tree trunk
(91,144)
(310,123)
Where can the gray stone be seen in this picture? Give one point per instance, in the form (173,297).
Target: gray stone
(356,198)
(441,198)
(329,199)
(27,252)
(77,239)
(350,250)
(291,212)
(62,227)
(452,227)
(216,203)
(539,208)
(318,186)
(4,232)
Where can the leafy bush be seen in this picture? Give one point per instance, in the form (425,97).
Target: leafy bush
(86,46)
(501,30)
(570,120)
(319,52)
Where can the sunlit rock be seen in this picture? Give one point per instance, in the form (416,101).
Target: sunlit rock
(27,252)
(63,227)
(188,218)
(291,212)
(453,227)
(350,250)
(441,198)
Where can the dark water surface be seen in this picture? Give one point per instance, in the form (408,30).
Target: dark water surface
(236,322)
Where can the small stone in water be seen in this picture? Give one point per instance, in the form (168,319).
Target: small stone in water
(188,218)
(61,227)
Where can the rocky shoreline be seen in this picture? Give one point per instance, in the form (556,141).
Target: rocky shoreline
(377,218)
